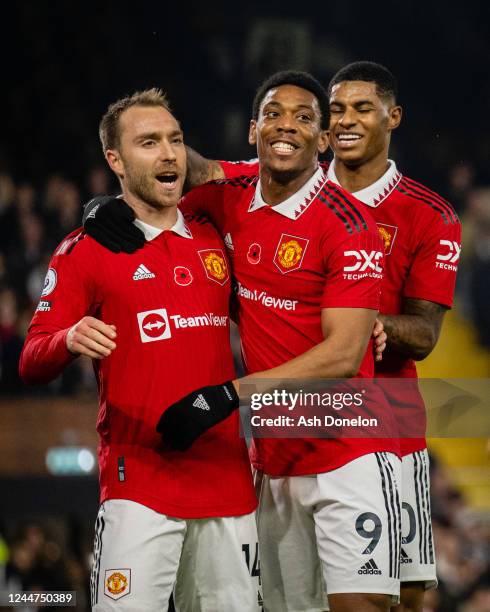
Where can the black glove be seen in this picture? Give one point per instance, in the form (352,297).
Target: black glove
(109,221)
(183,422)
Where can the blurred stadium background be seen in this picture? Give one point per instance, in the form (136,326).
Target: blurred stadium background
(63,63)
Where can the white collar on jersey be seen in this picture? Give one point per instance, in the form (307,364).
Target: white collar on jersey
(296,204)
(150,231)
(376,193)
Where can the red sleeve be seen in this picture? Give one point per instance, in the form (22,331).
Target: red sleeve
(354,268)
(432,275)
(233,169)
(67,296)
(205,200)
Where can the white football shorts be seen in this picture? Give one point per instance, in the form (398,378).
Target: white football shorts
(334,532)
(141,556)
(417,551)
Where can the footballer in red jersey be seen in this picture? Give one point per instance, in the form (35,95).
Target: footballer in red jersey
(295,241)
(156,323)
(422,239)
(422,244)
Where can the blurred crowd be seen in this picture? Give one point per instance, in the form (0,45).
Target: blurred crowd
(52,554)
(462,547)
(33,221)
(55,553)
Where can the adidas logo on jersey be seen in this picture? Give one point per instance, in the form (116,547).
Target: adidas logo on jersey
(229,242)
(404,558)
(142,272)
(201,403)
(369,568)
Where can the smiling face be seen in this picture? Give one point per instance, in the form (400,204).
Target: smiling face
(150,159)
(361,122)
(288,132)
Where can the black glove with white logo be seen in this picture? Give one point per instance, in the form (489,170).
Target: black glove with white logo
(183,422)
(109,221)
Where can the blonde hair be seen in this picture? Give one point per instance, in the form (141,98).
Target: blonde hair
(109,124)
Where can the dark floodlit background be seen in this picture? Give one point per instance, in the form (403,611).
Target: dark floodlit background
(63,63)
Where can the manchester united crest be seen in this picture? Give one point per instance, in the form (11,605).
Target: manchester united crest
(117,583)
(214,262)
(290,253)
(388,235)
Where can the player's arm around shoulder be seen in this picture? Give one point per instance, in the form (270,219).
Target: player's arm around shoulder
(201,170)
(62,326)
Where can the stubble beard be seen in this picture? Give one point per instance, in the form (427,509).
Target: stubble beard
(142,186)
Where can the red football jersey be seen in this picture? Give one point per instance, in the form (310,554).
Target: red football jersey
(169,302)
(422,239)
(313,251)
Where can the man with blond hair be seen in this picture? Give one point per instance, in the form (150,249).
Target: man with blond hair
(156,325)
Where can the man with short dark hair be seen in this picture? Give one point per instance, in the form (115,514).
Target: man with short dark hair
(156,324)
(291,235)
(422,239)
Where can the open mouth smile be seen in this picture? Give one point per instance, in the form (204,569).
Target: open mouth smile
(284,148)
(168,180)
(347,140)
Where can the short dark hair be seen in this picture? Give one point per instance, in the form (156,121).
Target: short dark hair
(370,72)
(304,80)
